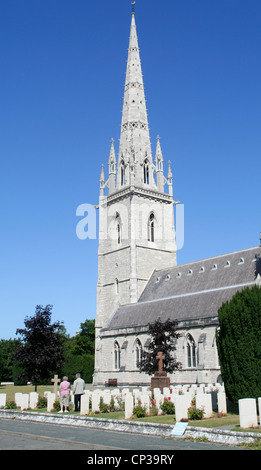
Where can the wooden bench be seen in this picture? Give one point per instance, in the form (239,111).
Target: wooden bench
(111,383)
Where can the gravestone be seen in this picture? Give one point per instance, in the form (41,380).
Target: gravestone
(50,401)
(96,401)
(18,396)
(2,400)
(84,409)
(204,401)
(159,399)
(247,412)
(33,400)
(182,403)
(128,405)
(222,402)
(160,379)
(24,403)
(145,401)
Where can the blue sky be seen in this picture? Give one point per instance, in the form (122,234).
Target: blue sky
(62,76)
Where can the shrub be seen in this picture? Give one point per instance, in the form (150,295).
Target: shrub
(139,411)
(10,405)
(57,405)
(168,407)
(193,412)
(104,408)
(42,403)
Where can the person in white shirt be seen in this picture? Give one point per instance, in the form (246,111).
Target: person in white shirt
(78,390)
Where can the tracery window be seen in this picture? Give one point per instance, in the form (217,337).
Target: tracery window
(117,355)
(151,228)
(146,173)
(122,173)
(138,353)
(191,352)
(118,228)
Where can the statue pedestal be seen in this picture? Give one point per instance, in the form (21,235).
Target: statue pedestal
(160,380)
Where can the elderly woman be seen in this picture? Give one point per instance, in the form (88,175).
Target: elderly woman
(64,394)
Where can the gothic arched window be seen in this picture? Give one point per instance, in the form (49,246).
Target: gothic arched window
(117,355)
(122,173)
(146,173)
(118,228)
(191,351)
(151,228)
(138,353)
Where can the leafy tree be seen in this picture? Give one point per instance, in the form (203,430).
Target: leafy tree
(163,338)
(40,353)
(239,344)
(79,352)
(83,342)
(7,349)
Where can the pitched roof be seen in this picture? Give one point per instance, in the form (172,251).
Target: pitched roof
(191,291)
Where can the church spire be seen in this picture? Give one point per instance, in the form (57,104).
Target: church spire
(135,139)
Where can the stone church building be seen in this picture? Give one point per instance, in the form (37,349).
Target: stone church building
(138,276)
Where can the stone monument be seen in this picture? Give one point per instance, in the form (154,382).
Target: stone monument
(160,379)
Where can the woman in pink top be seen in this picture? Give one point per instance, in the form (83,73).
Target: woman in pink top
(64,394)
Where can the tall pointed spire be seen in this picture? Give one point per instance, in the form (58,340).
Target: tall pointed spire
(135,139)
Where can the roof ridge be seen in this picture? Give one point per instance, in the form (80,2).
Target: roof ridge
(206,259)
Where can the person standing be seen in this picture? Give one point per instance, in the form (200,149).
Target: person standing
(64,394)
(78,390)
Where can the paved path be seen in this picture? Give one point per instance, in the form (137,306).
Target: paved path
(21,435)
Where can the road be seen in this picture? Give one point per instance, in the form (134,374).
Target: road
(25,435)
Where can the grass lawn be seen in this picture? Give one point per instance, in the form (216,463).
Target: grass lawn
(10,390)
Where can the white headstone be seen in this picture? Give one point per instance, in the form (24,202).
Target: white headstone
(96,401)
(204,402)
(18,396)
(51,397)
(182,403)
(84,410)
(247,412)
(2,400)
(145,401)
(24,403)
(33,400)
(222,402)
(128,405)
(159,399)
(106,395)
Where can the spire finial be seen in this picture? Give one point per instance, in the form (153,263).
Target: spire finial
(133,7)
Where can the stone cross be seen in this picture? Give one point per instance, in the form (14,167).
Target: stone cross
(55,381)
(160,358)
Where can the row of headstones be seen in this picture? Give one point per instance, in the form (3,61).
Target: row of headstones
(208,401)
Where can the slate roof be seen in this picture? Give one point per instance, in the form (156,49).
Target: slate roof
(191,291)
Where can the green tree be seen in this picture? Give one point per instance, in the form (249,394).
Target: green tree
(79,352)
(40,353)
(163,338)
(239,344)
(7,350)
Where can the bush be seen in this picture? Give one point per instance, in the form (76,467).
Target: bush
(193,412)
(10,405)
(42,403)
(168,407)
(139,411)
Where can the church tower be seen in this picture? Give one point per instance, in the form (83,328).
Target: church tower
(136,214)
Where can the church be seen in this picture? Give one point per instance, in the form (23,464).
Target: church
(139,280)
